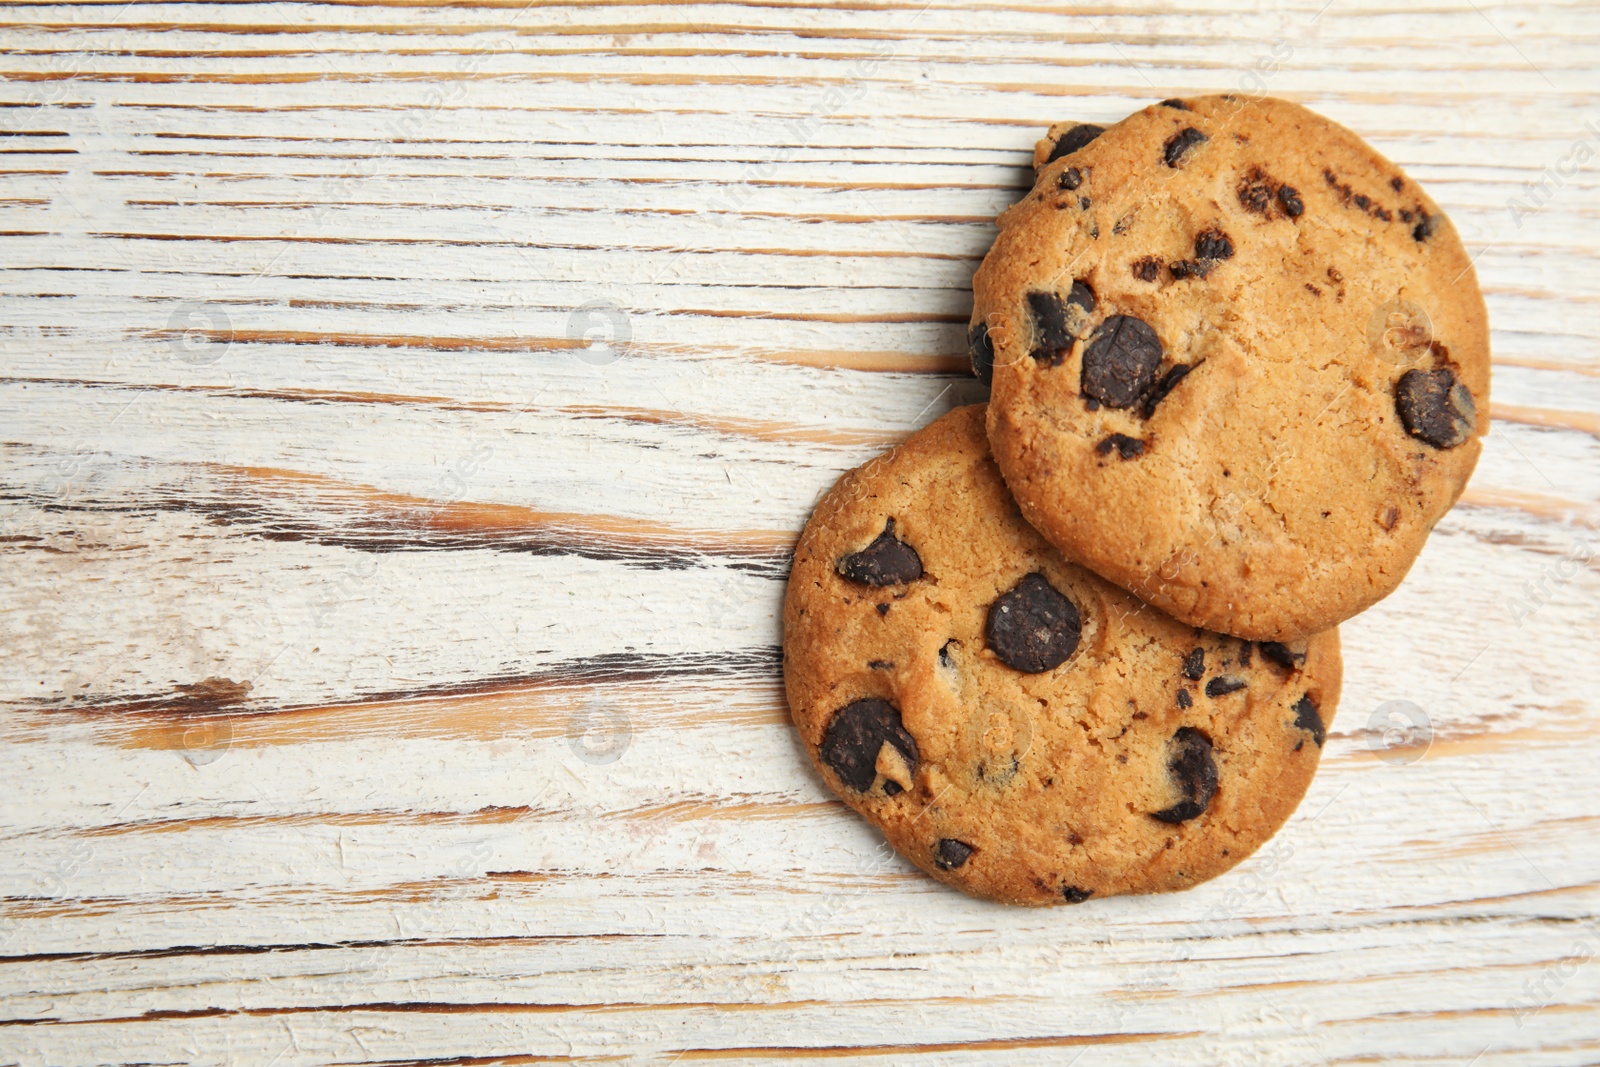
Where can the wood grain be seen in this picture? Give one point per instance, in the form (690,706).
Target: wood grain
(406,413)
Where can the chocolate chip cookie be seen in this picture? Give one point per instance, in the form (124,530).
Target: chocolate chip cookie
(1015,725)
(1240,362)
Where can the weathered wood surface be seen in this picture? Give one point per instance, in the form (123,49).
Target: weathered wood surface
(388,624)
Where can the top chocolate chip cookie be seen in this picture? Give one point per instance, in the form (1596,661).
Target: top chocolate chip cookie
(1240,362)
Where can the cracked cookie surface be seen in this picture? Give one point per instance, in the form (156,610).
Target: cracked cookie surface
(1276,378)
(1015,725)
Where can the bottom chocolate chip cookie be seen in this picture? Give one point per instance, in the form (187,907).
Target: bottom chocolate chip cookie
(1016,726)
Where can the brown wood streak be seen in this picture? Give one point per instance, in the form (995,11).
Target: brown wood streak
(666,692)
(291,395)
(492,885)
(554,179)
(297,205)
(608,30)
(758,429)
(481,1061)
(697,250)
(754,429)
(1552,418)
(1540,505)
(282,505)
(781,5)
(988,1044)
(1057,90)
(426,1007)
(1499,1011)
(593,109)
(370,340)
(489,816)
(613,52)
(417,517)
(1473,844)
(681,811)
(269,948)
(829,359)
(434,77)
(1578,724)
(1591,370)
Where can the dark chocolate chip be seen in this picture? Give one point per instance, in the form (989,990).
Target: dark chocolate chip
(1194,772)
(1120,364)
(951,853)
(980,350)
(891,788)
(1147,269)
(945,659)
(880,665)
(1256,190)
(1213,244)
(1175,102)
(1127,447)
(1184,699)
(1057,322)
(1173,376)
(1425,227)
(1178,144)
(1074,139)
(1073,895)
(1306,718)
(1396,184)
(887,561)
(1052,331)
(1283,655)
(883,609)
(1033,627)
(1070,178)
(1435,407)
(1189,268)
(1083,202)
(1082,296)
(1289,197)
(1224,684)
(1244,653)
(1361,201)
(1194,665)
(858,731)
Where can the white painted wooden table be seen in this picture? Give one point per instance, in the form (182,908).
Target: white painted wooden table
(406,411)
